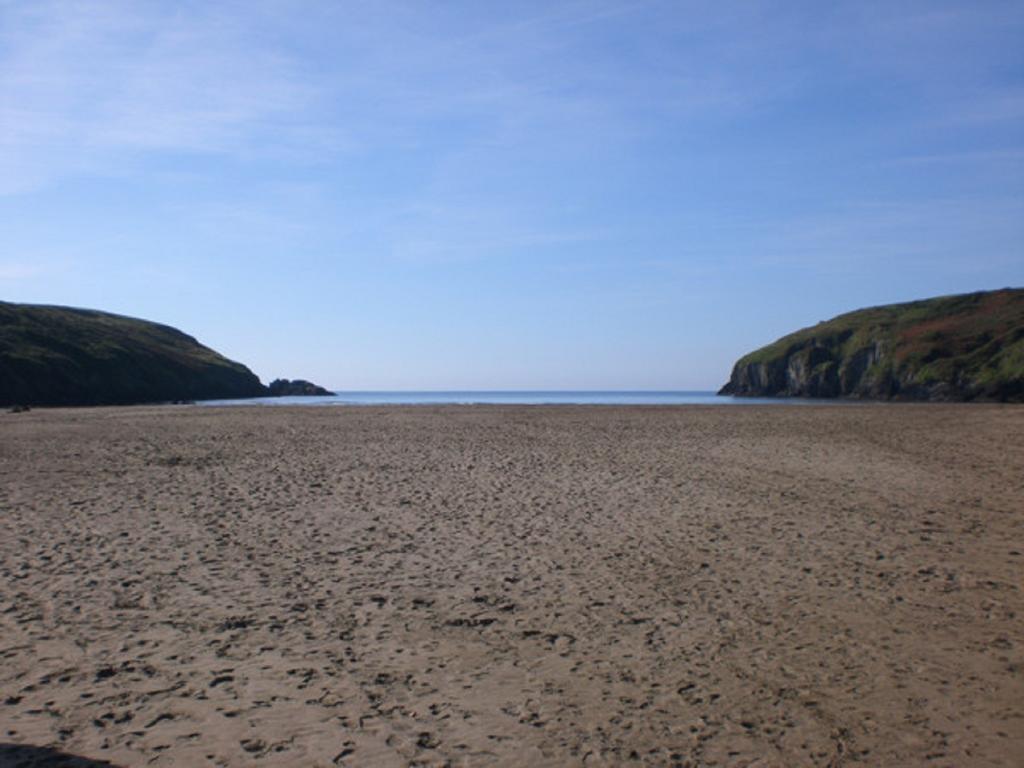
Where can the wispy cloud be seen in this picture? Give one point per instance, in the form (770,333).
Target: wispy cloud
(1002,105)
(868,236)
(982,157)
(83,84)
(467,96)
(12,271)
(92,86)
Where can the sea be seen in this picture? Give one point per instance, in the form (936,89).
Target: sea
(517,397)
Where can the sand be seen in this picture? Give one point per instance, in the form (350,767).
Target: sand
(544,586)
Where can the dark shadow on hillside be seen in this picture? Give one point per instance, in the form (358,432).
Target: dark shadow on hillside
(29,756)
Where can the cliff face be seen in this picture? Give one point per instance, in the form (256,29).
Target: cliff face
(65,356)
(968,347)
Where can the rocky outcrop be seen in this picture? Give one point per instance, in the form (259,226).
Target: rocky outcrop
(296,388)
(968,347)
(65,356)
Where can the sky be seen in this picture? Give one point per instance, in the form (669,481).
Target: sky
(519,195)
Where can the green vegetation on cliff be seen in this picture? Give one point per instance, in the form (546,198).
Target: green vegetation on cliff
(65,356)
(965,347)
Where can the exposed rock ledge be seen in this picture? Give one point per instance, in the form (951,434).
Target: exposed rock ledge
(296,388)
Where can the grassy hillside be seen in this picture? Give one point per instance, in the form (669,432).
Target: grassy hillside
(952,347)
(65,356)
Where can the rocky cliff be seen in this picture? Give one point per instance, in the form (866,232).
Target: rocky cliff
(966,347)
(64,356)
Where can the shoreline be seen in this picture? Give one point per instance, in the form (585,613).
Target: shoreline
(205,406)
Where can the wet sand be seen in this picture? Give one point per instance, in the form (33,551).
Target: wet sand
(544,586)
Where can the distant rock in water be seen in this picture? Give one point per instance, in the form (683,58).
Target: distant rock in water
(296,388)
(65,356)
(967,347)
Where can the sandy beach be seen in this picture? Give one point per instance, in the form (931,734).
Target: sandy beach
(543,586)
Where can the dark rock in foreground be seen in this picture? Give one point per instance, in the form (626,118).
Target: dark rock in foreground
(296,388)
(967,347)
(65,356)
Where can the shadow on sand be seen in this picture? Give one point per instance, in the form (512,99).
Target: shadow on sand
(28,756)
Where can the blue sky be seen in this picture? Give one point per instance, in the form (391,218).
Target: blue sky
(414,195)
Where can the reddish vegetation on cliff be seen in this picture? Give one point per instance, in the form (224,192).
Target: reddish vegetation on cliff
(965,347)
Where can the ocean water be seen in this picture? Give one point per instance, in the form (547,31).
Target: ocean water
(516,397)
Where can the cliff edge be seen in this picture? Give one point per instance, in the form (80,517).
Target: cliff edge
(965,347)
